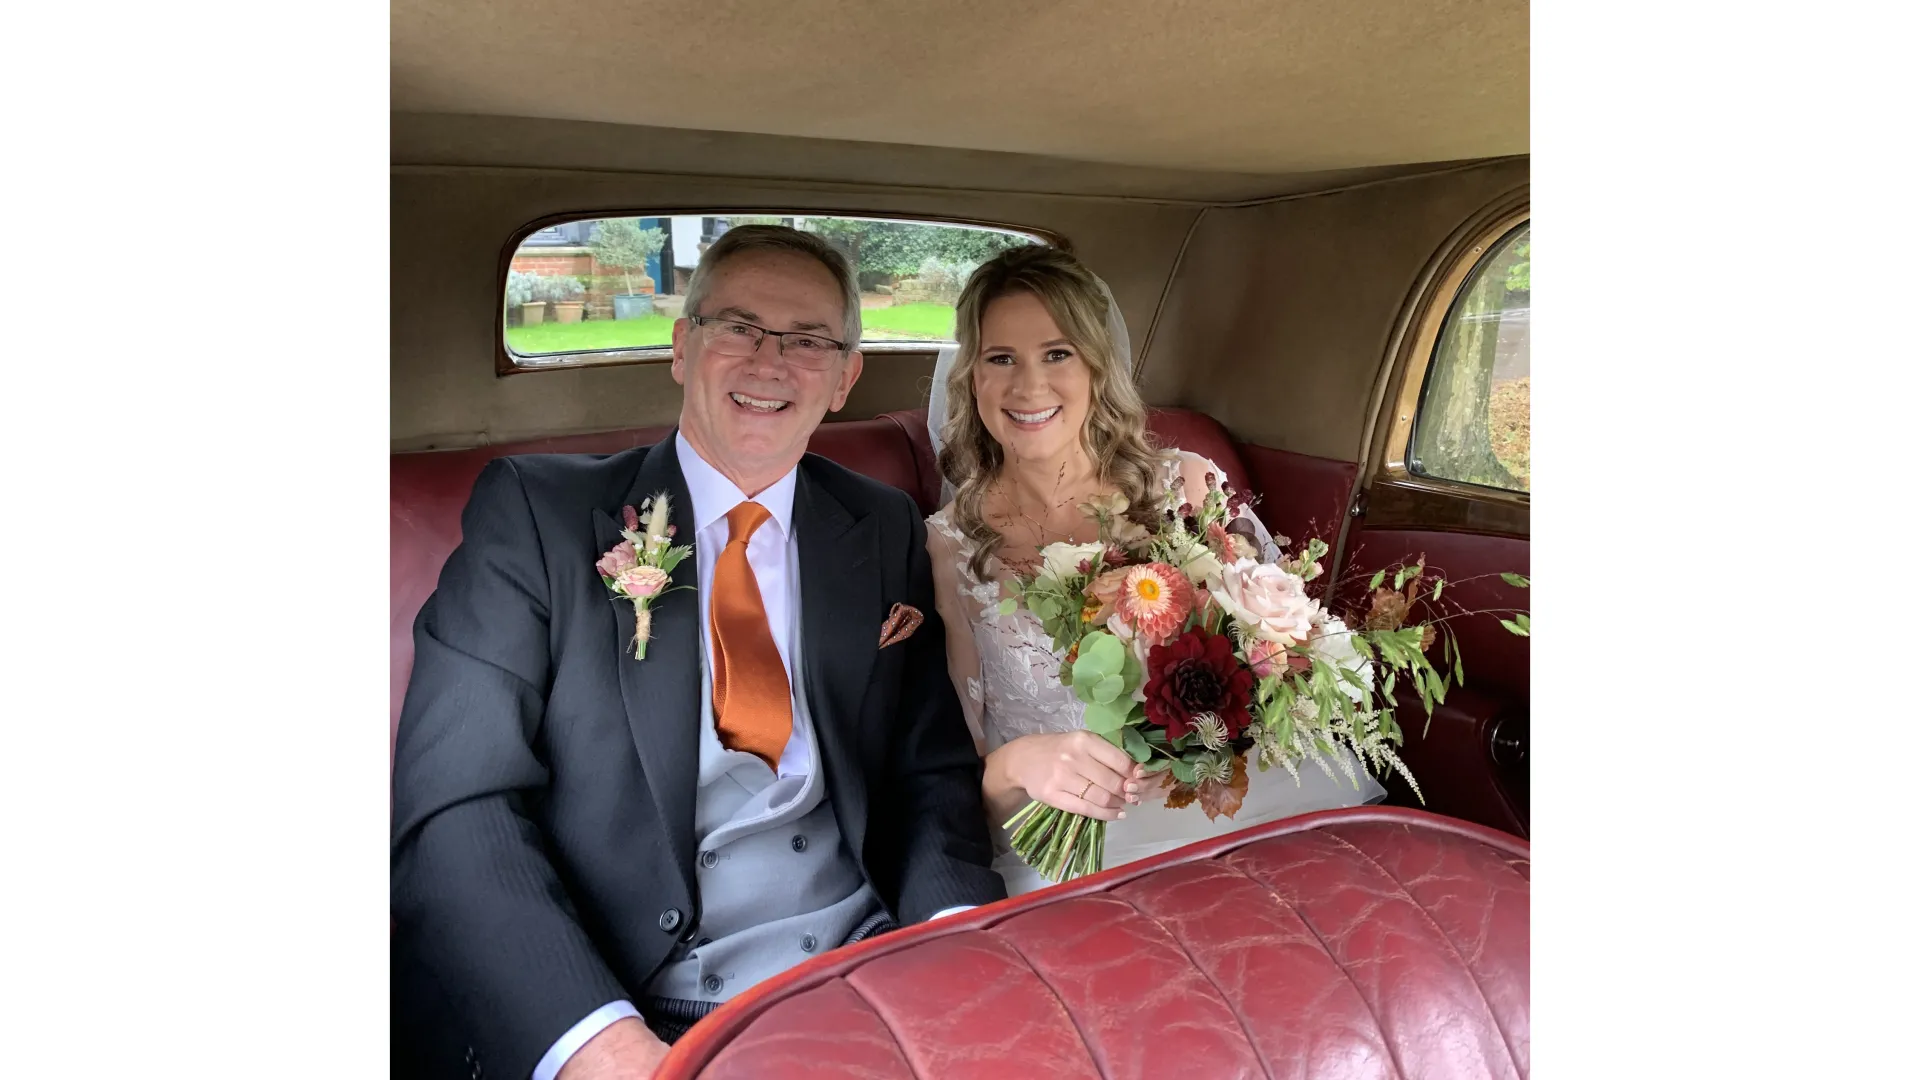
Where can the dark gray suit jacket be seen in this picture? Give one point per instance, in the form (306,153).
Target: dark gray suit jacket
(543,778)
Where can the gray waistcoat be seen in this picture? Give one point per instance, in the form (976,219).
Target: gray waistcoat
(776,885)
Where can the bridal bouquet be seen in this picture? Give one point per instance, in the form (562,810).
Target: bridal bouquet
(1193,654)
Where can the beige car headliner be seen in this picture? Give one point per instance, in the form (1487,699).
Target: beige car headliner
(1267,87)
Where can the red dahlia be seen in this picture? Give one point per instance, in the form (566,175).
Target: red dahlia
(1197,673)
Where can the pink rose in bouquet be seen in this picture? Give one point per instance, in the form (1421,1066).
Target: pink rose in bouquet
(1266,657)
(1266,600)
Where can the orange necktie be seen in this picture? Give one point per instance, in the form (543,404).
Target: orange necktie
(752,702)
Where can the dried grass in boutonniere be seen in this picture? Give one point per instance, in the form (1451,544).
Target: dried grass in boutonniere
(640,567)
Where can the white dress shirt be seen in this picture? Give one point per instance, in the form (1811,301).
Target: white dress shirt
(775,559)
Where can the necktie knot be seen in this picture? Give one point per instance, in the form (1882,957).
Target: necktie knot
(743,520)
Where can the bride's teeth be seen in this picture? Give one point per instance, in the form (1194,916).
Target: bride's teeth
(1033,418)
(757,403)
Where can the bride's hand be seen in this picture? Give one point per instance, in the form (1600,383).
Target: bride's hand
(1076,771)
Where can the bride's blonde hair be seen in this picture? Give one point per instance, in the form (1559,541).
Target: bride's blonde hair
(1115,433)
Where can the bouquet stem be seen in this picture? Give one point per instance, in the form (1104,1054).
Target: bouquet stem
(1059,844)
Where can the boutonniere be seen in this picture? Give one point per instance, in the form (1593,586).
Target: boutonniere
(640,567)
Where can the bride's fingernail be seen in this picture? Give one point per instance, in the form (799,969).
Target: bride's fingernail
(1123,813)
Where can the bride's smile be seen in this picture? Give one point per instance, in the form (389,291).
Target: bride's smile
(1033,419)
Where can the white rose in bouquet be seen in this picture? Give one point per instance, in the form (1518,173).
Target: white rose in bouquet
(1333,644)
(1062,560)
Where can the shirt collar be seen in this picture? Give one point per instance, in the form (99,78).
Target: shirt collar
(714,495)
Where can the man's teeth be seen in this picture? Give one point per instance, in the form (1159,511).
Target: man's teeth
(1035,417)
(758,403)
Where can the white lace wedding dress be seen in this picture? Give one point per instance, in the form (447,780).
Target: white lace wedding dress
(1006,673)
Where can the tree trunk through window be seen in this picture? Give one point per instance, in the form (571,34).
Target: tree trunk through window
(1454,440)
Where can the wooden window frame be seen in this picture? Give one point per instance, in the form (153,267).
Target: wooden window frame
(1394,496)
(504,363)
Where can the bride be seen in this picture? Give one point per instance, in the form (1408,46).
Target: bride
(1033,415)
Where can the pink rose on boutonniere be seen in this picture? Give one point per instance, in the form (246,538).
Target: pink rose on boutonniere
(640,567)
(640,582)
(618,561)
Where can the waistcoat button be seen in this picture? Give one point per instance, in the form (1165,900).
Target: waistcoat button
(711,984)
(799,843)
(709,858)
(808,943)
(670,919)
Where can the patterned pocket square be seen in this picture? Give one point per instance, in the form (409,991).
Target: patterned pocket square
(901,622)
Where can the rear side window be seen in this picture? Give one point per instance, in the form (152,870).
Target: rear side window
(607,290)
(1472,424)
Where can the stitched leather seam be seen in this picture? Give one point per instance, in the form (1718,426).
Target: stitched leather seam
(1512,1058)
(1217,988)
(891,1034)
(1092,1058)
(1385,1040)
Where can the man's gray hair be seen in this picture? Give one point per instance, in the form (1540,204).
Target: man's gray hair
(745,238)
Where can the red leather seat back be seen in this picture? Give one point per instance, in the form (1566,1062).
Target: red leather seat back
(1372,942)
(428,490)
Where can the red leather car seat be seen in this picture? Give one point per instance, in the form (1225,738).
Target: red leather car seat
(1373,942)
(428,489)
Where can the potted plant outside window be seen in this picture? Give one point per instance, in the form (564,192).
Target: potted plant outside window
(621,245)
(566,294)
(521,301)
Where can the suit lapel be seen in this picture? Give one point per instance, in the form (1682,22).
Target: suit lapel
(662,692)
(840,616)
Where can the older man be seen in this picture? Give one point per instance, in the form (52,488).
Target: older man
(592,849)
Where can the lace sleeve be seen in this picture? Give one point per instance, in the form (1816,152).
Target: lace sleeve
(963,656)
(1194,470)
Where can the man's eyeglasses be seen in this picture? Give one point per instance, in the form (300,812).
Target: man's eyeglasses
(801,348)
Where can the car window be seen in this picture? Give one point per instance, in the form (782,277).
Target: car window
(1472,424)
(602,290)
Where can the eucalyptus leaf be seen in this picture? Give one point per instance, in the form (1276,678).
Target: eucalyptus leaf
(1515,580)
(1102,650)
(1515,627)
(1160,764)
(1108,688)
(1135,744)
(1183,770)
(1105,719)
(1007,606)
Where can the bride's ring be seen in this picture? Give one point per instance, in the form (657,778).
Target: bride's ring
(1084,790)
